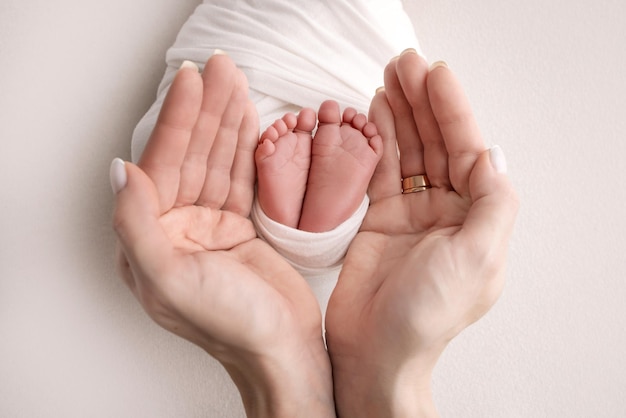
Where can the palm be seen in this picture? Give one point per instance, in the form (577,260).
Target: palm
(411,270)
(254,299)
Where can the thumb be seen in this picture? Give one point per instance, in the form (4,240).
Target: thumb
(136,219)
(490,220)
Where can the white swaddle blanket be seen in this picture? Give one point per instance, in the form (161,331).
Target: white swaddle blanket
(295,54)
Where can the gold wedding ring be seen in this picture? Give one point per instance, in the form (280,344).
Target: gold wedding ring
(415,184)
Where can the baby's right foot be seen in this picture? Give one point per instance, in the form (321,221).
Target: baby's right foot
(345,152)
(283,158)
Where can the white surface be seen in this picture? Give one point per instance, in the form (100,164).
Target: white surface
(547,80)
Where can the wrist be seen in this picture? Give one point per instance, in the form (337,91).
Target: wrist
(365,389)
(285,383)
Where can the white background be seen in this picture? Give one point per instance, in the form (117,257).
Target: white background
(547,79)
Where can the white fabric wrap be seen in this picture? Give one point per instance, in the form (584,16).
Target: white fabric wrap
(295,53)
(309,252)
(318,256)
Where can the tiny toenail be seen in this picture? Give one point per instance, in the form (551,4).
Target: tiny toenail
(380,89)
(409,51)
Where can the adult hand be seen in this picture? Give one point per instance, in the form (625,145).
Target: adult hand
(424,265)
(190,254)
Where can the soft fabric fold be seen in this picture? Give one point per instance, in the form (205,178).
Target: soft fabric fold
(318,256)
(334,50)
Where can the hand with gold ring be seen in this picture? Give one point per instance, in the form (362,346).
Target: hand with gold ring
(430,257)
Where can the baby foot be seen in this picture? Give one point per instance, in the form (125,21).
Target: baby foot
(344,154)
(283,158)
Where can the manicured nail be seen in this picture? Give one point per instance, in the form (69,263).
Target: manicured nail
(117,174)
(498,161)
(218,51)
(189,64)
(380,89)
(409,51)
(439,64)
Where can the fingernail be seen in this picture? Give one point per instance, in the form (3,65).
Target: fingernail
(409,51)
(439,64)
(498,161)
(117,175)
(218,51)
(189,64)
(380,89)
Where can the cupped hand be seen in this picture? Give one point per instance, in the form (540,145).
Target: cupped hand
(190,254)
(424,265)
